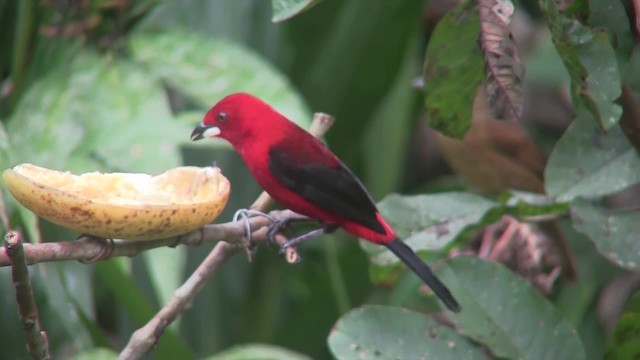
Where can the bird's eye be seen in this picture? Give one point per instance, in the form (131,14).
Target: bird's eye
(222,116)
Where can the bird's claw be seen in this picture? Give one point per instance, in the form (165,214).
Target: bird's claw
(324,229)
(275,228)
(106,249)
(286,245)
(245,214)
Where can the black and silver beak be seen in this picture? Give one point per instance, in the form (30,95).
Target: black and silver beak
(202,131)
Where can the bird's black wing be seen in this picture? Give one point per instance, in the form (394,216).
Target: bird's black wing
(334,189)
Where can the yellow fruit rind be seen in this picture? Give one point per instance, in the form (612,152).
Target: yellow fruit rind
(194,197)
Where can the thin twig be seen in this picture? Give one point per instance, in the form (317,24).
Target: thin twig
(37,342)
(146,337)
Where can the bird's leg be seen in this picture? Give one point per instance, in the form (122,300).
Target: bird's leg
(325,229)
(281,224)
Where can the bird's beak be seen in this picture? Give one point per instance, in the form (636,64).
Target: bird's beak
(202,131)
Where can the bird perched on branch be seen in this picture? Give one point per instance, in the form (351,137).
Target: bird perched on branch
(302,174)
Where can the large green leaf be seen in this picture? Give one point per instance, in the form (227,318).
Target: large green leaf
(47,123)
(612,16)
(207,69)
(45,129)
(503,312)
(453,69)
(127,117)
(428,222)
(258,351)
(245,22)
(97,114)
(96,354)
(625,340)
(615,233)
(382,332)
(286,9)
(591,62)
(585,158)
(522,205)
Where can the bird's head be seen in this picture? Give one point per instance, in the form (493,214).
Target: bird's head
(235,118)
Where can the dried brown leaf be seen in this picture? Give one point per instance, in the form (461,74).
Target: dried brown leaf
(503,66)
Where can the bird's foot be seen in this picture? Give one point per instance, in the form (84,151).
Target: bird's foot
(245,214)
(325,229)
(279,225)
(106,248)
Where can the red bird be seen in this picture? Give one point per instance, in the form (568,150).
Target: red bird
(302,174)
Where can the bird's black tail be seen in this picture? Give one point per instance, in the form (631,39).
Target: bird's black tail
(406,254)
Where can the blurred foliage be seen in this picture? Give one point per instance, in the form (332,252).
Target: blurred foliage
(117,86)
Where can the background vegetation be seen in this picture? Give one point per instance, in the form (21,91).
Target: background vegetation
(116,85)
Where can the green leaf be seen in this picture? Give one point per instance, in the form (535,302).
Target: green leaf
(286,9)
(453,70)
(246,22)
(602,86)
(503,312)
(46,125)
(207,69)
(97,113)
(127,117)
(591,62)
(8,202)
(96,354)
(383,332)
(584,159)
(612,16)
(522,204)
(258,351)
(625,341)
(615,233)
(428,222)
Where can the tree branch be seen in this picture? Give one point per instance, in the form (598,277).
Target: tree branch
(90,249)
(37,342)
